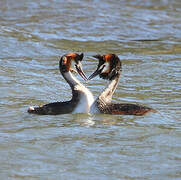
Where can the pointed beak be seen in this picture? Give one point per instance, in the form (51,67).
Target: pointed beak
(80,71)
(94,74)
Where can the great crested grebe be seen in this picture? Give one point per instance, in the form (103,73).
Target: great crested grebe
(109,68)
(82,98)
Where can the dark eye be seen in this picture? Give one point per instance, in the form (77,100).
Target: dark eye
(77,59)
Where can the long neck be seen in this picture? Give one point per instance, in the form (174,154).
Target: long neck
(82,98)
(71,79)
(107,94)
(73,82)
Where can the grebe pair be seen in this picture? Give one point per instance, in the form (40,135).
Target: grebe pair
(82,101)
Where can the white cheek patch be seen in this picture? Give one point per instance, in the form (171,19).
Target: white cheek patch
(64,60)
(106,67)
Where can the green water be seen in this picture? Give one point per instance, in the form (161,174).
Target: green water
(146,35)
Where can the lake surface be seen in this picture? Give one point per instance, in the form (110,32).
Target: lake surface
(146,35)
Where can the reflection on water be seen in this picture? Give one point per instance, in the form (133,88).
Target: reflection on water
(145,35)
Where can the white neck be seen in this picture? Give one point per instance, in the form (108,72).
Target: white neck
(85,96)
(106,96)
(72,81)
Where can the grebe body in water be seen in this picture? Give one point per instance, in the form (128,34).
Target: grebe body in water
(82,98)
(109,68)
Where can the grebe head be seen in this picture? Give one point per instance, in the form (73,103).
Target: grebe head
(65,64)
(108,68)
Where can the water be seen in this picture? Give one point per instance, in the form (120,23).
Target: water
(145,35)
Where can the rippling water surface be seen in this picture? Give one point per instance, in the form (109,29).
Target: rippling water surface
(146,35)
